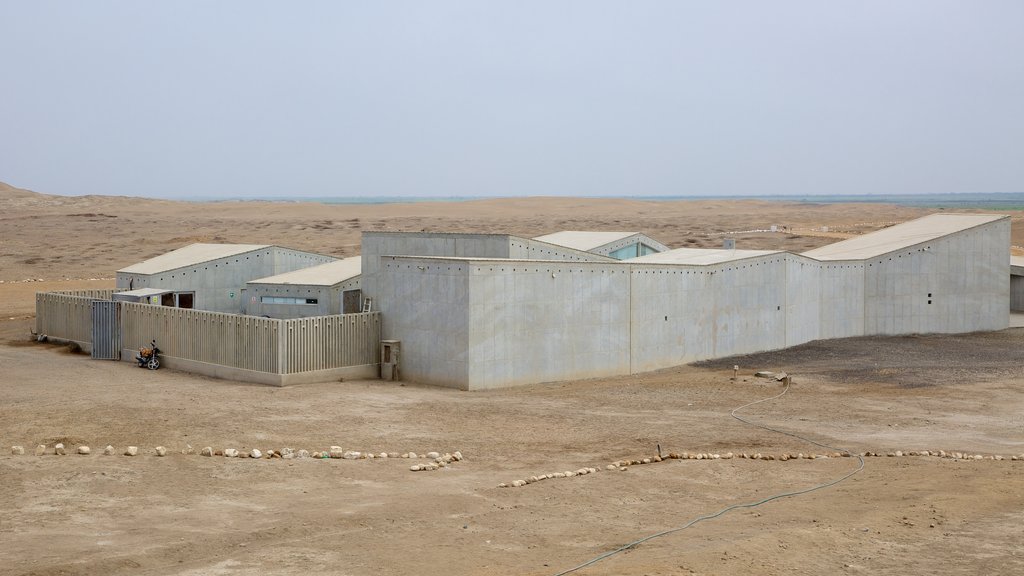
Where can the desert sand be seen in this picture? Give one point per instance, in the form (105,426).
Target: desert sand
(185,514)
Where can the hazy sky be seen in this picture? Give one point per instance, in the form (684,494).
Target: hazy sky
(175,99)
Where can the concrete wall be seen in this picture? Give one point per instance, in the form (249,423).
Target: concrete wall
(329,299)
(541,321)
(841,299)
(685,313)
(393,286)
(219,284)
(427,303)
(953,284)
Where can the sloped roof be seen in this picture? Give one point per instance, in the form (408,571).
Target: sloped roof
(700,256)
(144,292)
(323,275)
(582,239)
(900,236)
(189,256)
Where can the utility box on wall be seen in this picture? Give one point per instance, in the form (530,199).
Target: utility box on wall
(389,359)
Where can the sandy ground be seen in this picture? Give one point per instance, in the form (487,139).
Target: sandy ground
(191,515)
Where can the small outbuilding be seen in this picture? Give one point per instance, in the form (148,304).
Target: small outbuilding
(213,276)
(331,288)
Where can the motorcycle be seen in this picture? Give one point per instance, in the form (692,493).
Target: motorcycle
(149,357)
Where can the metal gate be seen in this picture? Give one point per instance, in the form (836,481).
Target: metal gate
(106,333)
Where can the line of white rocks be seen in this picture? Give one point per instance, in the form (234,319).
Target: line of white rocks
(436,459)
(55,280)
(623,465)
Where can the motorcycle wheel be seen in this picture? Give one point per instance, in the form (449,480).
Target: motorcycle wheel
(153,363)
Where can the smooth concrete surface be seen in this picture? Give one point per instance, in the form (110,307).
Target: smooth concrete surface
(428,303)
(535,321)
(956,283)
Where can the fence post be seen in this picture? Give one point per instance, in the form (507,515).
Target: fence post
(282,347)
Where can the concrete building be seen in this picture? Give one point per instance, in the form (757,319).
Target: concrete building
(617,245)
(482,310)
(213,277)
(322,290)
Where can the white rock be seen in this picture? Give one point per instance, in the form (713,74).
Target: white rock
(899,453)
(610,467)
(559,474)
(302,454)
(18,450)
(393,455)
(41,449)
(208,451)
(188,449)
(415,467)
(287,453)
(131,451)
(255,453)
(230,453)
(727,456)
(161,451)
(84,450)
(411,455)
(59,450)
(350,455)
(433,455)
(382,455)
(108,451)
(518,483)
(716,457)
(569,473)
(978,457)
(457,455)
(368,455)
(502,485)
(337,452)
(997,457)
(430,467)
